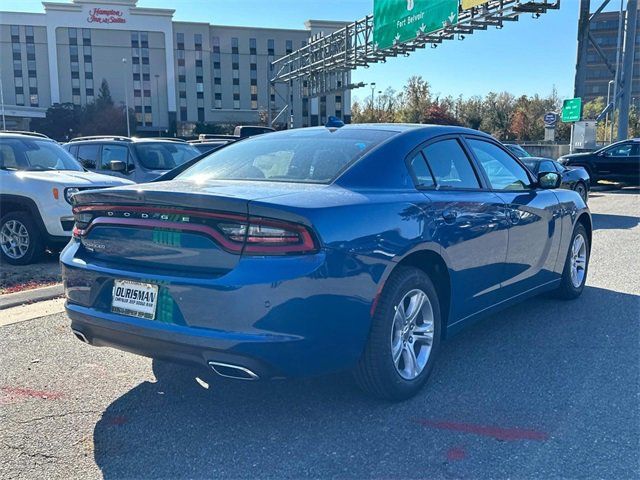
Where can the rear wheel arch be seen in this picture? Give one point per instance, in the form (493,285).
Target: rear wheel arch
(436,268)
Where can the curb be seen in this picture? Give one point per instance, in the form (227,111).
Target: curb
(30,296)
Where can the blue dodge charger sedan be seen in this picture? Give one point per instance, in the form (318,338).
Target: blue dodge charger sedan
(314,250)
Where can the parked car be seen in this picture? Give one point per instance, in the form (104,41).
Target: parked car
(573,178)
(136,159)
(207,146)
(618,162)
(517,150)
(37,180)
(314,250)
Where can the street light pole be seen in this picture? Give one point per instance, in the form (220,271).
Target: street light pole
(157,115)
(126,96)
(4,123)
(606,119)
(373,88)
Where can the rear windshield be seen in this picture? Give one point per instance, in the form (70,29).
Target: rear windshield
(35,155)
(302,155)
(164,155)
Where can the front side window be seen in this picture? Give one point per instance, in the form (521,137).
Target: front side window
(450,165)
(113,152)
(546,166)
(624,150)
(316,156)
(503,172)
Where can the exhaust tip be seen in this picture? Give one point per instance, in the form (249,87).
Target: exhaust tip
(233,371)
(80,336)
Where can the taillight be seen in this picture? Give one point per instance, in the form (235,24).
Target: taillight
(234,233)
(261,236)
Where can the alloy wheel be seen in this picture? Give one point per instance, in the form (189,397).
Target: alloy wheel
(578,260)
(412,334)
(14,239)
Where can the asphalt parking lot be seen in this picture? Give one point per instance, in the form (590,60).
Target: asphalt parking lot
(544,389)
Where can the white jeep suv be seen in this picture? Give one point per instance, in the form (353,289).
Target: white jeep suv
(37,180)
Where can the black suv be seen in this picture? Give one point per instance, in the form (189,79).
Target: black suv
(618,162)
(137,159)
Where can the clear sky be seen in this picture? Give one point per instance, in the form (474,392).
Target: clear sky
(525,57)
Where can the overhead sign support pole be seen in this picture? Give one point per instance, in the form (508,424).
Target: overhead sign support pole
(627,69)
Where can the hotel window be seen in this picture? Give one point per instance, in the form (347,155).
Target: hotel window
(73,53)
(148,118)
(181,58)
(253,50)
(31,51)
(215,43)
(180,41)
(289,46)
(144,40)
(135,40)
(271,47)
(183,114)
(19,99)
(197,41)
(236,101)
(15,33)
(200,114)
(234,45)
(17,55)
(86,36)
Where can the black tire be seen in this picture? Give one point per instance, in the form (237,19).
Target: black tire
(567,290)
(581,189)
(376,372)
(36,245)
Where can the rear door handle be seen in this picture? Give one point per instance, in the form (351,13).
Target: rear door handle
(450,216)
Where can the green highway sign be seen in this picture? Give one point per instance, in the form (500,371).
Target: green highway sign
(572,110)
(399,21)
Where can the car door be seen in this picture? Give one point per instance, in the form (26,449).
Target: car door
(533,215)
(469,223)
(620,161)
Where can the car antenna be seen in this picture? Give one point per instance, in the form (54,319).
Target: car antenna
(334,122)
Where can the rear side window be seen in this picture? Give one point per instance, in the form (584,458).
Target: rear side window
(450,165)
(503,172)
(88,155)
(421,171)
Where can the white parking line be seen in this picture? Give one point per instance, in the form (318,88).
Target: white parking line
(32,311)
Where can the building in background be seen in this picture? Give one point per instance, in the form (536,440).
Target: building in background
(593,77)
(173,73)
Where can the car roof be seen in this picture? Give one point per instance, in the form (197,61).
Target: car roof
(24,136)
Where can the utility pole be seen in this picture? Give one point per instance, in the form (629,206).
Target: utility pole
(627,69)
(126,96)
(373,88)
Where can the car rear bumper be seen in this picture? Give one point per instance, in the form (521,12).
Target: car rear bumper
(276,316)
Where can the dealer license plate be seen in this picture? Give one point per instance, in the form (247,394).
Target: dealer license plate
(135,299)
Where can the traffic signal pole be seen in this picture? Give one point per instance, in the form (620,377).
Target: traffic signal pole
(627,69)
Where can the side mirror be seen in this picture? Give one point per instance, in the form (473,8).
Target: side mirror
(548,180)
(117,166)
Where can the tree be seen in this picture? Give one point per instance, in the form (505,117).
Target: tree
(498,111)
(104,100)
(62,121)
(414,100)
